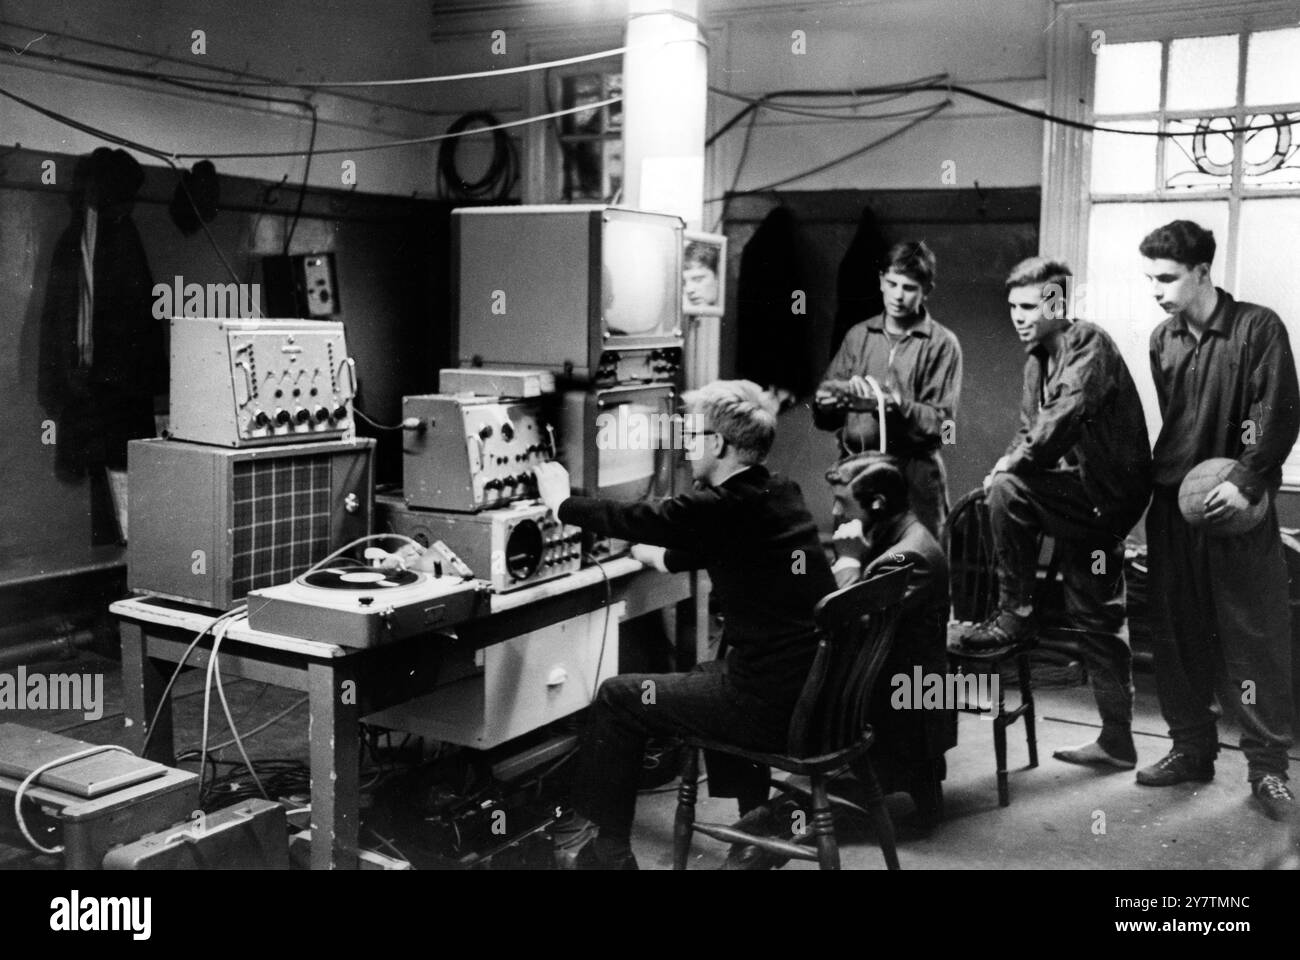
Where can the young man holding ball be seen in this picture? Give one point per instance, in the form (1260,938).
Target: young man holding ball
(1226,382)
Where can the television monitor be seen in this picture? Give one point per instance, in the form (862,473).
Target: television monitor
(704,274)
(568,288)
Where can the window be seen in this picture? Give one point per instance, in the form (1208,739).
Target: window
(591,141)
(576,158)
(1198,78)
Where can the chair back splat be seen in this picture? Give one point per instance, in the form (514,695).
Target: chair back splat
(856,626)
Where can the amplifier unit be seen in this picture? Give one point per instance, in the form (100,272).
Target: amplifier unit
(471,453)
(511,547)
(209,524)
(240,383)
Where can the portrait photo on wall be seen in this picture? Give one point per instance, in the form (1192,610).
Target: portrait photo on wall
(704,274)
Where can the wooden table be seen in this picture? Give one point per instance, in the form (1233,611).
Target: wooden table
(155,633)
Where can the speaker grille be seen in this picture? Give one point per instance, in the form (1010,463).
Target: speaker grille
(282,520)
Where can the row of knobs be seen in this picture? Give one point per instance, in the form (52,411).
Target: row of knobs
(661,361)
(500,483)
(300,415)
(573,551)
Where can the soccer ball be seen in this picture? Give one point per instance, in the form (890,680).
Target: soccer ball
(1196,486)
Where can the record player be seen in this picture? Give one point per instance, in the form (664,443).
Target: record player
(353,605)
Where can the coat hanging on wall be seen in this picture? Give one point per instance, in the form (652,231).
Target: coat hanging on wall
(857,285)
(773,335)
(103,353)
(197,195)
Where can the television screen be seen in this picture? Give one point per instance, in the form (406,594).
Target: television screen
(639,277)
(704,273)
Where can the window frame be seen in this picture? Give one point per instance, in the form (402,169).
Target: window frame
(1071,73)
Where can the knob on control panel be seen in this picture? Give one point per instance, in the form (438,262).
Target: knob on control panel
(282,416)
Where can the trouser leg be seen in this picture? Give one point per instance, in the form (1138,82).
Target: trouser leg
(1093,575)
(1182,615)
(1021,510)
(632,707)
(1249,586)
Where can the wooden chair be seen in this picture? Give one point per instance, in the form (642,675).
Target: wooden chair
(829,732)
(968,541)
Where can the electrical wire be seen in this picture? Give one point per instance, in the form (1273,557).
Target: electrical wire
(444,78)
(163,698)
(377,426)
(604,630)
(502,173)
(230,721)
(838,160)
(359,148)
(264,725)
(31,778)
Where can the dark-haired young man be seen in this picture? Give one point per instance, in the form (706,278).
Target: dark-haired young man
(916,361)
(1078,470)
(875,531)
(1226,382)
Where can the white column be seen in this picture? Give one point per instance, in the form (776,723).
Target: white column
(665,90)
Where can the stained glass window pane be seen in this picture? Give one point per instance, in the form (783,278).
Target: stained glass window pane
(1273,67)
(1128,78)
(1122,163)
(1201,158)
(1270,156)
(1203,73)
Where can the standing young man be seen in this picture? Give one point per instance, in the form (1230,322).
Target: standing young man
(916,361)
(1078,470)
(1226,382)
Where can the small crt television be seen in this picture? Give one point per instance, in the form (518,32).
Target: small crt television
(570,288)
(622,443)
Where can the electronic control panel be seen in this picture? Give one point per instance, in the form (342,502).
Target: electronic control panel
(510,547)
(472,453)
(638,366)
(243,383)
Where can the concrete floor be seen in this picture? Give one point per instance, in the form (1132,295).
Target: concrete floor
(1050,823)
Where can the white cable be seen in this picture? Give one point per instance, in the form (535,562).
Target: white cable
(22,788)
(880,410)
(217,637)
(162,700)
(444,78)
(230,721)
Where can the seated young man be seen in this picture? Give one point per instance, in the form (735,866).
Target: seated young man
(754,535)
(1078,470)
(876,530)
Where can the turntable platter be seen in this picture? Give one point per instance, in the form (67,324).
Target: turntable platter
(360,578)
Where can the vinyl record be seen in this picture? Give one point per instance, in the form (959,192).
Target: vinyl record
(360,578)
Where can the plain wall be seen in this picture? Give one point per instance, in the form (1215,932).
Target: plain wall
(388,271)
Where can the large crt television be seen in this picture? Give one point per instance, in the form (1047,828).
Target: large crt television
(570,288)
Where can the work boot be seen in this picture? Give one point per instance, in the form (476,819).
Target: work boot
(1275,797)
(1002,630)
(1176,767)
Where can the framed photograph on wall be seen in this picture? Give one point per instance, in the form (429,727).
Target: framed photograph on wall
(704,274)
